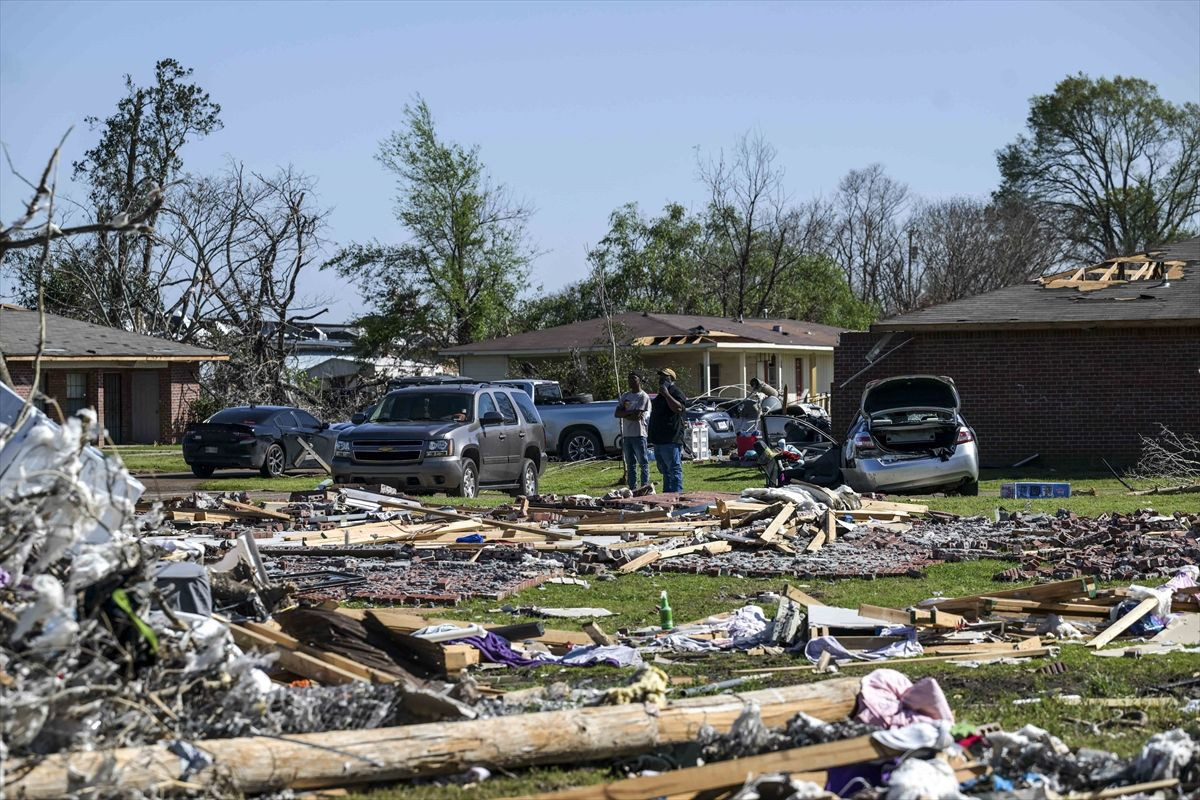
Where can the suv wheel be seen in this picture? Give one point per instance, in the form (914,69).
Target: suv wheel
(969,489)
(202,470)
(528,484)
(274,461)
(469,485)
(581,446)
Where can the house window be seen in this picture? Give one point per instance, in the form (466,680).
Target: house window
(76,393)
(714,375)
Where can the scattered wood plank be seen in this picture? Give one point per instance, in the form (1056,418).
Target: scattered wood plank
(1121,625)
(246,508)
(771,532)
(817,541)
(799,762)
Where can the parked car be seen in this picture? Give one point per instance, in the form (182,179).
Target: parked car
(909,435)
(266,438)
(576,430)
(450,437)
(722,433)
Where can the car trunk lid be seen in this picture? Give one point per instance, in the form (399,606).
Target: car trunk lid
(219,433)
(915,414)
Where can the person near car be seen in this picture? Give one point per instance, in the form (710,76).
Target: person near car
(665,430)
(765,389)
(633,409)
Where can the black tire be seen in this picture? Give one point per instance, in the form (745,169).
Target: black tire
(580,445)
(527,481)
(202,471)
(969,489)
(469,485)
(274,461)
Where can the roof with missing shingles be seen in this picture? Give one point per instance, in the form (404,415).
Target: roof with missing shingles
(1134,304)
(630,326)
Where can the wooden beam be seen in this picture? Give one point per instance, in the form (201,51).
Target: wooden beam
(1120,626)
(799,762)
(255,764)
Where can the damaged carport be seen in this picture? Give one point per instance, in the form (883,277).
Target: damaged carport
(1074,368)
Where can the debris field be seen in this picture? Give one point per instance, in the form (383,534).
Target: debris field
(198,647)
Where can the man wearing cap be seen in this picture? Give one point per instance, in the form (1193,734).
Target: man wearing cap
(666,430)
(633,409)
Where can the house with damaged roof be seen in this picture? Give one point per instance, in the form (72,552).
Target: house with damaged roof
(707,352)
(1074,367)
(141,387)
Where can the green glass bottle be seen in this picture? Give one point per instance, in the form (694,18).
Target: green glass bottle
(665,618)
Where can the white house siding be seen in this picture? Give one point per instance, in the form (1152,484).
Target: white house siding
(484,368)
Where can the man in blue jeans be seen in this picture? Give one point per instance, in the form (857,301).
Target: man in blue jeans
(633,409)
(666,430)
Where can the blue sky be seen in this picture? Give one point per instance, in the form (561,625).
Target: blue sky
(581,107)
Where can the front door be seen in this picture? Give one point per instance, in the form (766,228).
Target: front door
(113,402)
(144,397)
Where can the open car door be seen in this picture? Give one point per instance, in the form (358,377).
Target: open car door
(820,455)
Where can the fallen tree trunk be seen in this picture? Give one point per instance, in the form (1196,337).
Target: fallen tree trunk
(336,758)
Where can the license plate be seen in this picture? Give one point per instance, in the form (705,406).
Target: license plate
(210,449)
(721,425)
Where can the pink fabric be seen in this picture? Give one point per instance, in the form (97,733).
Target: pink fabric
(889,699)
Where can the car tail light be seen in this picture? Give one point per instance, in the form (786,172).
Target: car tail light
(964,436)
(863,442)
(243,435)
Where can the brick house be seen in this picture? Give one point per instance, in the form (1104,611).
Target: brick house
(1073,367)
(141,386)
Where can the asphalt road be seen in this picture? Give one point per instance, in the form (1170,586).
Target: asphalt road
(170,484)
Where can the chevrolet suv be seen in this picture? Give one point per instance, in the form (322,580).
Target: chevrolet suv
(456,438)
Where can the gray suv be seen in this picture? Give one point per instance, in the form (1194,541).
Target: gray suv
(454,438)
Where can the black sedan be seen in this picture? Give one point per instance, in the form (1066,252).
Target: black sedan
(266,438)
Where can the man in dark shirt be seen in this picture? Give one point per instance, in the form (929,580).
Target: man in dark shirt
(666,430)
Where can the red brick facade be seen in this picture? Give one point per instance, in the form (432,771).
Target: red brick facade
(1074,396)
(177,387)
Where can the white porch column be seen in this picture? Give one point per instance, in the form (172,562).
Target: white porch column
(742,366)
(707,382)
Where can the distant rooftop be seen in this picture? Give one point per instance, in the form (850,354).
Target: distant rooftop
(645,329)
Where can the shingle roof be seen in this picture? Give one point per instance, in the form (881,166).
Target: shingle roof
(1137,303)
(75,340)
(632,325)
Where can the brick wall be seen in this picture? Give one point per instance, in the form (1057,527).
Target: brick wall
(178,387)
(1074,396)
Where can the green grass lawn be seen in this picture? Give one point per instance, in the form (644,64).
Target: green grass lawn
(148,459)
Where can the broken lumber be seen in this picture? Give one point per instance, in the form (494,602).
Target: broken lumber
(307,662)
(799,762)
(253,764)
(1120,626)
(246,508)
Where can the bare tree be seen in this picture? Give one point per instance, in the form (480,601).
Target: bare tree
(869,241)
(239,244)
(746,199)
(969,246)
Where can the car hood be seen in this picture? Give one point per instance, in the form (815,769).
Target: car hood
(398,430)
(909,391)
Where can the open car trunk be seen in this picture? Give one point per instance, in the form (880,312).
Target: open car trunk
(915,414)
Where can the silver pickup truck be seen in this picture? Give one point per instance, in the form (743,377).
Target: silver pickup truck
(574,431)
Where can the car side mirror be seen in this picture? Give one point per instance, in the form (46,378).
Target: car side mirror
(324,426)
(358,418)
(491,418)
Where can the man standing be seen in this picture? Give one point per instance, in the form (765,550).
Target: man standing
(666,430)
(633,409)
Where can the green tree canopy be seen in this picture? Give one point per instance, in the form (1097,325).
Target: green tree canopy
(467,255)
(1118,163)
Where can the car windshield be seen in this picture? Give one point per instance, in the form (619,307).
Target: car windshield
(411,406)
(243,416)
